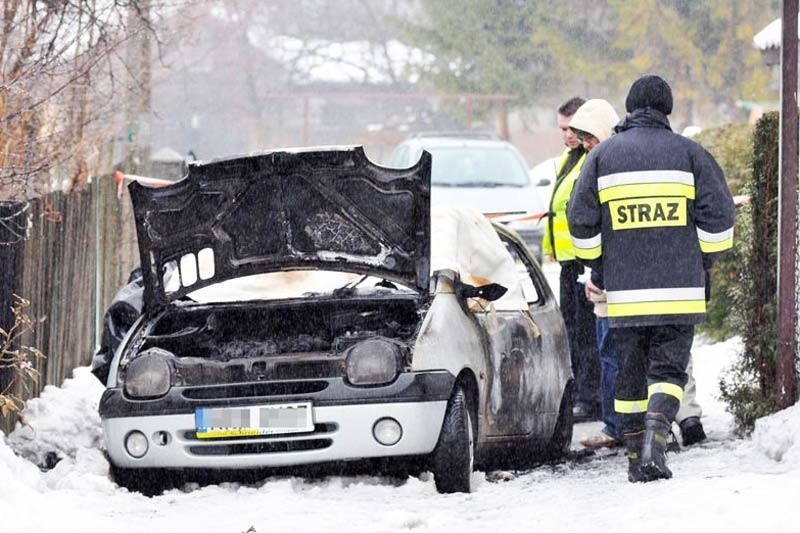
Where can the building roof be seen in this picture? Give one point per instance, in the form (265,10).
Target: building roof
(770,36)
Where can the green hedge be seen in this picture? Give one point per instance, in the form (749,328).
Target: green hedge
(748,387)
(732,147)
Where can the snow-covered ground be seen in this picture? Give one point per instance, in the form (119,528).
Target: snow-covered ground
(725,484)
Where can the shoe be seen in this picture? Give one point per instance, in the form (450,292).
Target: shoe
(582,413)
(601,440)
(692,431)
(653,458)
(633,445)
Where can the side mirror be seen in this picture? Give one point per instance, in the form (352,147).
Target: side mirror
(544,182)
(490,292)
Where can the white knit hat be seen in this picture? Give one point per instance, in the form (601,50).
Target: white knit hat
(595,116)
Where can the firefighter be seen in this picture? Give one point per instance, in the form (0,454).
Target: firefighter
(556,244)
(649,214)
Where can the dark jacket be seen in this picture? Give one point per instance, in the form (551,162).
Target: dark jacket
(650,212)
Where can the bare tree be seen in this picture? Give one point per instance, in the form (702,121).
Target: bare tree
(62,79)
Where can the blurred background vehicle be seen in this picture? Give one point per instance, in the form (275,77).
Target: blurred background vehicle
(543,176)
(482,171)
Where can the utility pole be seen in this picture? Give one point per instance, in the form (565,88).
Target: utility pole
(787,222)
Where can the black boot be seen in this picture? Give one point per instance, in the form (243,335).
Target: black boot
(654,460)
(692,431)
(633,444)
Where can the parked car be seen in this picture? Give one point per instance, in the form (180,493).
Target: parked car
(309,307)
(544,175)
(482,171)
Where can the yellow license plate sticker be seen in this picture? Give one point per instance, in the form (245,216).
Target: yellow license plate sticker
(656,212)
(255,420)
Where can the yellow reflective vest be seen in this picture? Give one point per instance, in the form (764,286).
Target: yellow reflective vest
(557,241)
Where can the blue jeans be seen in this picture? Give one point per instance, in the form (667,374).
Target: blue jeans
(608,377)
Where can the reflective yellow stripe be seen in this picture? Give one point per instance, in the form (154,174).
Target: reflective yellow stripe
(640,190)
(590,248)
(645,176)
(589,253)
(715,242)
(665,388)
(712,247)
(630,406)
(684,307)
(667,294)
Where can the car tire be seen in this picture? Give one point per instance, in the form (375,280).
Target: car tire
(559,444)
(147,481)
(454,456)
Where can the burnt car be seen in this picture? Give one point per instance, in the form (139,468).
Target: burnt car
(307,307)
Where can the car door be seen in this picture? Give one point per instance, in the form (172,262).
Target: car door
(514,358)
(550,369)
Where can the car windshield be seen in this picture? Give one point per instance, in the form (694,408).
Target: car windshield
(470,166)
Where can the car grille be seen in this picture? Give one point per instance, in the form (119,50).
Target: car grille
(254,390)
(319,429)
(288,442)
(250,448)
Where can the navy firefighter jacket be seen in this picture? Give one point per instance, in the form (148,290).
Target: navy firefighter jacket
(650,213)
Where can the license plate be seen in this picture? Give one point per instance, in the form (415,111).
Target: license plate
(218,422)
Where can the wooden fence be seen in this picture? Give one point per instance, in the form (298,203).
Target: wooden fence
(79,249)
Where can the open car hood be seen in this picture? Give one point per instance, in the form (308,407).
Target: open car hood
(329,209)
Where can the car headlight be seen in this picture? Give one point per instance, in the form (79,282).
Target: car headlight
(148,376)
(373,362)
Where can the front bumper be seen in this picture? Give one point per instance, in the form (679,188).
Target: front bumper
(343,418)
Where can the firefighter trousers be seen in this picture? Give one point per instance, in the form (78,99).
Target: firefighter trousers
(652,371)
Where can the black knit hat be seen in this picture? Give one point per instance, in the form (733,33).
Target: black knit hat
(650,91)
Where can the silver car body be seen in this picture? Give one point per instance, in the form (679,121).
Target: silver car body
(512,361)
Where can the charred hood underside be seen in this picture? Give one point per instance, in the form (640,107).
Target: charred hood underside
(325,209)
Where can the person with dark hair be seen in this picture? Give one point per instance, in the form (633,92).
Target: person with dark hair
(557,245)
(648,197)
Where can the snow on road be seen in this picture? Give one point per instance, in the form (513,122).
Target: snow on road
(725,484)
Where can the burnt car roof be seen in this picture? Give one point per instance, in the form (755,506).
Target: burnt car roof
(319,208)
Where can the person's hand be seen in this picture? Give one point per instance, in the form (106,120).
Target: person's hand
(549,258)
(590,288)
